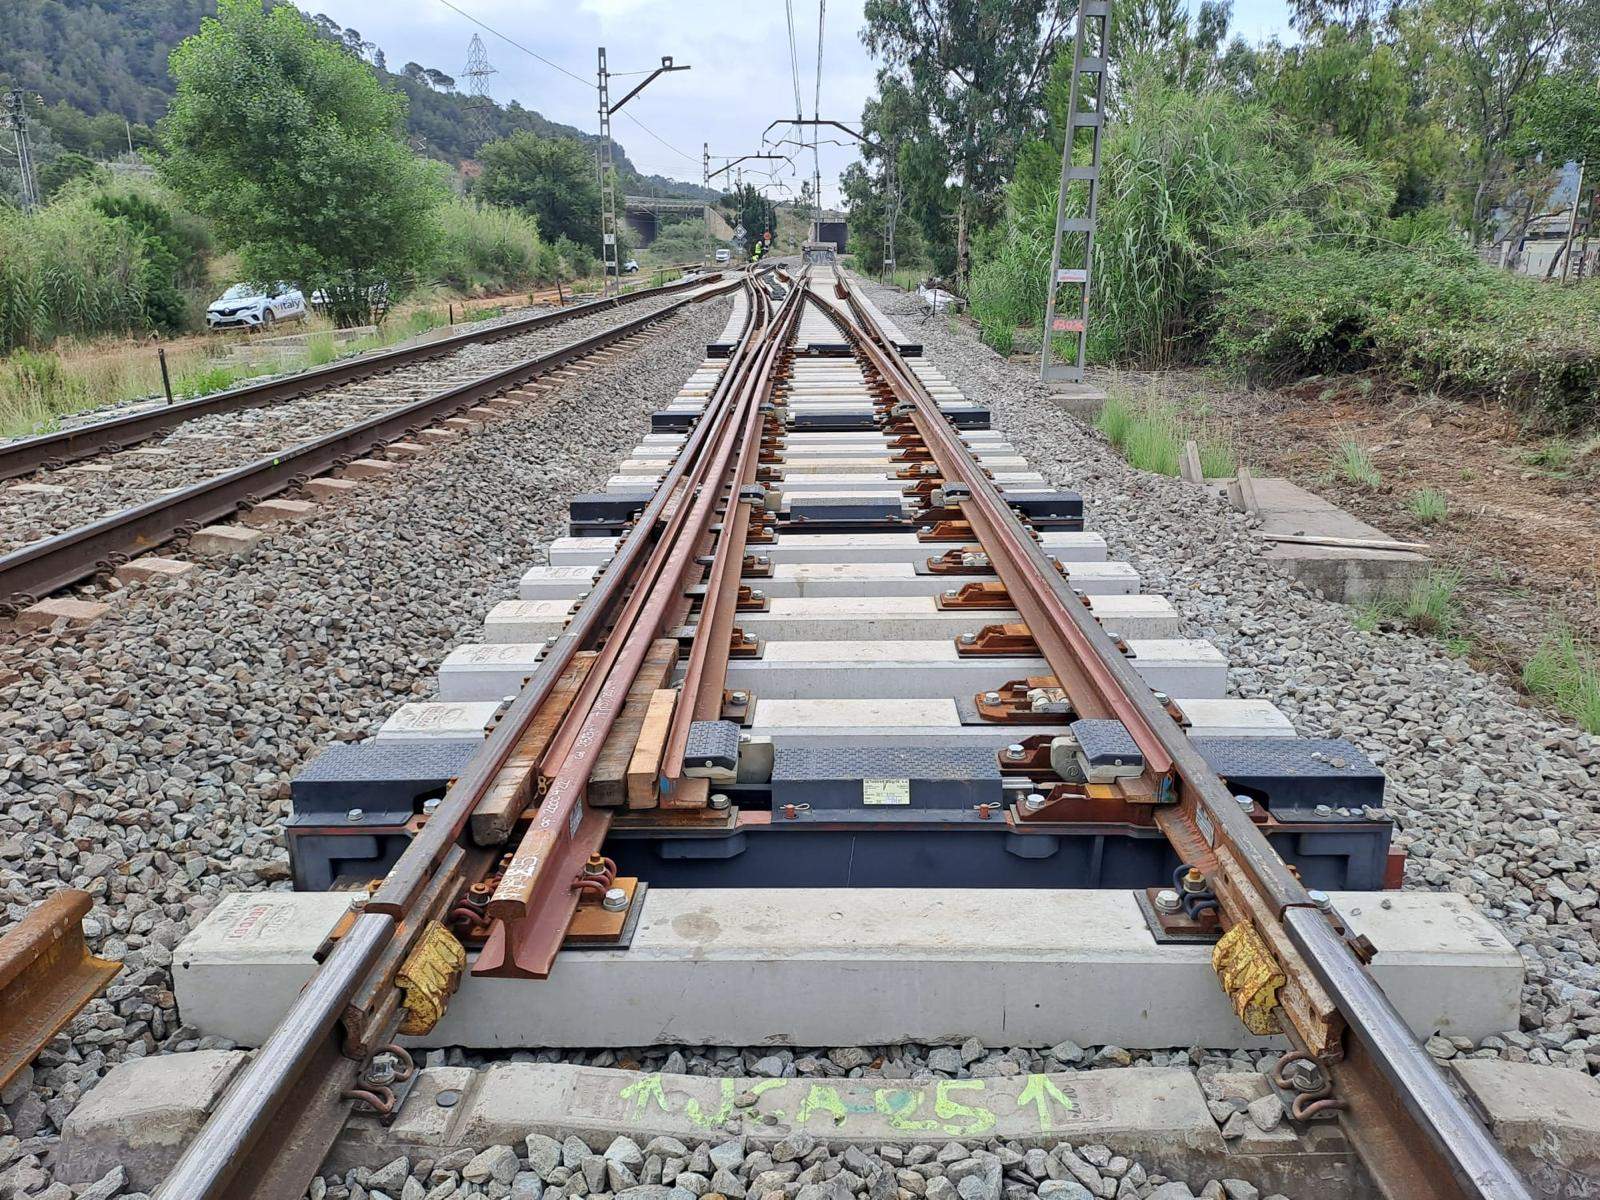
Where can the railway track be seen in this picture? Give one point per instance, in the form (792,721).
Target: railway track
(825,625)
(239,447)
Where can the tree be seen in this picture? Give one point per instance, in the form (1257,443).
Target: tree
(63,169)
(977,69)
(552,178)
(746,206)
(293,148)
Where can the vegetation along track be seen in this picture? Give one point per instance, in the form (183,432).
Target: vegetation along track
(261,433)
(521,833)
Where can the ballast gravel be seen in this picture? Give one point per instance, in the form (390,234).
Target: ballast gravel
(798,1167)
(147,759)
(1494,799)
(92,488)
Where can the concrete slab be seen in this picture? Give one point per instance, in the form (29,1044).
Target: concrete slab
(278,512)
(1351,575)
(754,962)
(1066,546)
(526,620)
(328,488)
(142,1114)
(428,720)
(816,670)
(151,569)
(582,552)
(223,539)
(371,468)
(1547,1118)
(78,614)
(487,672)
(821,618)
(555,583)
(901,579)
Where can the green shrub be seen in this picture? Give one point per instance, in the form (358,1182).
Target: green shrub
(1434,314)
(486,248)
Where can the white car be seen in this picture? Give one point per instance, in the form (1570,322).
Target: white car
(247,306)
(723,255)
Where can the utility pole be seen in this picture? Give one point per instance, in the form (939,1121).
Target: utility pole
(17,122)
(610,264)
(479,103)
(892,209)
(1085,110)
(705,182)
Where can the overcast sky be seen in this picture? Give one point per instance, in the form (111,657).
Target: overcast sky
(741,78)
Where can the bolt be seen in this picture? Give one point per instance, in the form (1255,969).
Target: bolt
(719,802)
(951,593)
(355,814)
(1321,899)
(991,697)
(616,900)
(1168,901)
(1016,750)
(1246,803)
(757,594)
(1034,802)
(969,639)
(1194,881)
(738,697)
(358,903)
(1303,1076)
(1162,699)
(429,807)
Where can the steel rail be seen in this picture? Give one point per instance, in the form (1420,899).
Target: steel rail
(27,455)
(303,1063)
(51,563)
(530,882)
(1420,1137)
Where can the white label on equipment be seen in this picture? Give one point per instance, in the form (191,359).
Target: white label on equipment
(1207,829)
(886,791)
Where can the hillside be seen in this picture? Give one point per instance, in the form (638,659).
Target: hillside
(96,63)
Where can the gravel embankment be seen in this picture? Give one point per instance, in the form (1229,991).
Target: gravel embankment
(1494,800)
(210,445)
(147,760)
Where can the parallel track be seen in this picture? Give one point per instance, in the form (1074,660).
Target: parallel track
(26,455)
(55,562)
(1415,1135)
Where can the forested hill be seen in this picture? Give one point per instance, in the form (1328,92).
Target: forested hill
(107,59)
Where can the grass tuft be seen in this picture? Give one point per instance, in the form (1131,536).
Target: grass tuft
(1356,465)
(1565,672)
(1430,506)
(1150,432)
(1555,455)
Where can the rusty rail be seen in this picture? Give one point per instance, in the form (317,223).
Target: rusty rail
(47,975)
(1415,1133)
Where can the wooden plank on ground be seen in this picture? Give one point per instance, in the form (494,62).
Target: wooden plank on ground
(644,769)
(1303,539)
(515,783)
(1247,491)
(608,785)
(1189,463)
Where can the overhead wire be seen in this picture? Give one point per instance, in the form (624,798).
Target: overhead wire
(511,41)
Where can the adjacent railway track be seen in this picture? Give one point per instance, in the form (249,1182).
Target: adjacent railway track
(47,451)
(820,456)
(34,570)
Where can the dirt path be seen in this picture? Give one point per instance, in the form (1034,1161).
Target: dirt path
(1523,525)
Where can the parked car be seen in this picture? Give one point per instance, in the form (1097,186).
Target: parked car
(724,254)
(631,266)
(248,306)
